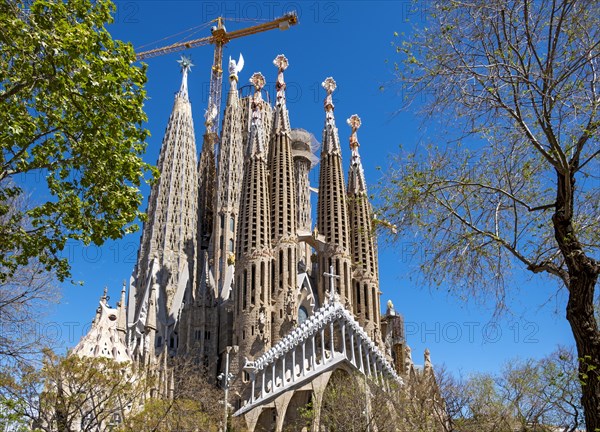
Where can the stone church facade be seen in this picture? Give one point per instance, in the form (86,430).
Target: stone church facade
(234,272)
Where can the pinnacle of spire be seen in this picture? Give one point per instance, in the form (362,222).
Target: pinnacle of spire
(331,140)
(186,66)
(281,121)
(257,136)
(356,178)
(234,69)
(151,321)
(122,318)
(258,81)
(329,85)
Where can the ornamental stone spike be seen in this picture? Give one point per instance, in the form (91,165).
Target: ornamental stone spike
(329,85)
(354,122)
(186,66)
(282,64)
(258,81)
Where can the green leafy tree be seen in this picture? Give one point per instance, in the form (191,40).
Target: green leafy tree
(71,113)
(519,80)
(192,403)
(527,395)
(73,393)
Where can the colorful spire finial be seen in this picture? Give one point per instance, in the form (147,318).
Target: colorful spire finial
(329,85)
(282,64)
(354,122)
(185,63)
(186,66)
(258,81)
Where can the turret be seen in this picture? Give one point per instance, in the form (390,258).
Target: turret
(150,327)
(303,146)
(283,213)
(365,279)
(332,211)
(122,316)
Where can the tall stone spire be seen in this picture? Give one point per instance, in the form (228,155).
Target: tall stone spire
(365,279)
(332,212)
(283,212)
(229,179)
(254,252)
(227,207)
(207,173)
(168,241)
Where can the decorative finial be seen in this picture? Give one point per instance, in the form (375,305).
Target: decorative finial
(185,63)
(354,122)
(258,81)
(235,67)
(329,85)
(427,357)
(282,64)
(186,66)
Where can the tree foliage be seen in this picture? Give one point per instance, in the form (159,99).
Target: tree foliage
(73,393)
(192,404)
(515,184)
(71,115)
(352,402)
(527,395)
(24,297)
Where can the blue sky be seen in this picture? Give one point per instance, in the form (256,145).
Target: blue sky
(350,41)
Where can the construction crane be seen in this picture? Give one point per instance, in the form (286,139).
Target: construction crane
(220,36)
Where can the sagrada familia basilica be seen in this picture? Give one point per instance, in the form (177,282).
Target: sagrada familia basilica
(233,272)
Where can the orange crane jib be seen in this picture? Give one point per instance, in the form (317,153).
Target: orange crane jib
(219,35)
(219,38)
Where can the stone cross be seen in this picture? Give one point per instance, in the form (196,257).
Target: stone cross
(332,278)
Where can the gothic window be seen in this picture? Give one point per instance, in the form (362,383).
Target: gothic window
(366,301)
(197,334)
(230,245)
(302,315)
(253,281)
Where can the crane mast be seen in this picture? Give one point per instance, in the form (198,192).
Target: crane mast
(219,38)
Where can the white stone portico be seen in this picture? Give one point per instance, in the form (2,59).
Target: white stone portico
(329,339)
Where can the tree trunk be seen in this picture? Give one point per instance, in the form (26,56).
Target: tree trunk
(581,281)
(587,338)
